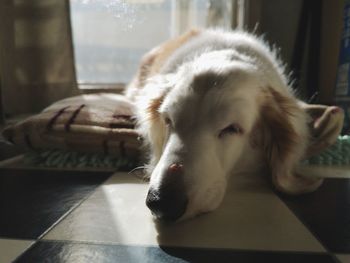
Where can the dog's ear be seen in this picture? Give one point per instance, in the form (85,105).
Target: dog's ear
(325,124)
(285,138)
(151,125)
(156,130)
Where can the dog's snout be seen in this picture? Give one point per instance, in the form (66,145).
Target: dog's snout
(167,206)
(169,201)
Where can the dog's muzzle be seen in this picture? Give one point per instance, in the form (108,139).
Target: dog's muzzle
(168,201)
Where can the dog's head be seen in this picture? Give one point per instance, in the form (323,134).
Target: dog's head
(201,125)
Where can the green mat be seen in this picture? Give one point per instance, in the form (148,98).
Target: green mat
(68,159)
(337,154)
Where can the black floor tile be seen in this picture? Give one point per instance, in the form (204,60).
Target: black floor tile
(83,252)
(326,213)
(8,150)
(31,200)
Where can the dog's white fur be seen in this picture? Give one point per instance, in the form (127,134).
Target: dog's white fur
(203,82)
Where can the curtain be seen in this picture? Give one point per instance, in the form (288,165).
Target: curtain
(36,63)
(2,120)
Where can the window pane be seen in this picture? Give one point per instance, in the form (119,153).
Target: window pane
(110,36)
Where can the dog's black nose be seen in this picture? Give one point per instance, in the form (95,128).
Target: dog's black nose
(169,201)
(166,205)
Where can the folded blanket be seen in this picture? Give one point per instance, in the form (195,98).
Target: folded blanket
(97,123)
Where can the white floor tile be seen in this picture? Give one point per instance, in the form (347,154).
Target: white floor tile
(10,249)
(344,258)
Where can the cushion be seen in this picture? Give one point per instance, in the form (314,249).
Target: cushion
(96,123)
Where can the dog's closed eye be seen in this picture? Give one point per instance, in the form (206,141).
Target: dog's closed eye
(230,130)
(168,121)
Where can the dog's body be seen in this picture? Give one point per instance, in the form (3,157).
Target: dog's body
(212,104)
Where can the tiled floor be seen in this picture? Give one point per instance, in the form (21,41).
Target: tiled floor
(81,216)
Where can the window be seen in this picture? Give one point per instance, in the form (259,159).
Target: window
(110,36)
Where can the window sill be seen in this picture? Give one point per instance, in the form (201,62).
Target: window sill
(99,87)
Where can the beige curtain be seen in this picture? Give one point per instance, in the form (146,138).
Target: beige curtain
(36,62)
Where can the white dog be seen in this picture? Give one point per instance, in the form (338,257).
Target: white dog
(211,104)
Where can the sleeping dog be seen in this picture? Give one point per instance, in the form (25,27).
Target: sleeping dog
(212,104)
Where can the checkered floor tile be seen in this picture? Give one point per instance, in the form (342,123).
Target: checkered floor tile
(99,216)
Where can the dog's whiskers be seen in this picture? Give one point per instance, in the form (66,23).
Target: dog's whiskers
(137,169)
(140,172)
